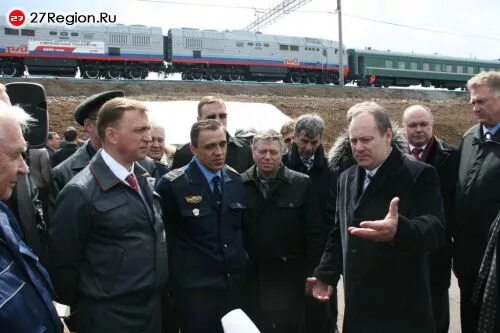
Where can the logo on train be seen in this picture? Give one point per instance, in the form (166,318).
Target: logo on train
(16,18)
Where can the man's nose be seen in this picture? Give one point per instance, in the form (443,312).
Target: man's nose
(23,168)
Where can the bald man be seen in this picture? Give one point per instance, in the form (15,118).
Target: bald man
(418,123)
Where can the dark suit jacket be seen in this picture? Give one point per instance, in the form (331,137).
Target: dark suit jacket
(386,284)
(107,246)
(205,240)
(62,154)
(283,237)
(239,155)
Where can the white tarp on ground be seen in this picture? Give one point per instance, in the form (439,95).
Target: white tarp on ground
(178,116)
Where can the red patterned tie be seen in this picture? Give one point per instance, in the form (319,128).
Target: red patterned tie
(132,182)
(416,152)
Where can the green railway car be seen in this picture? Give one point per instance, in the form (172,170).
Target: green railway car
(385,68)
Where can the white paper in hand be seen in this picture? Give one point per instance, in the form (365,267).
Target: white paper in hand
(237,321)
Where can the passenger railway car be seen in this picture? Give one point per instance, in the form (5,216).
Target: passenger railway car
(386,68)
(106,51)
(244,55)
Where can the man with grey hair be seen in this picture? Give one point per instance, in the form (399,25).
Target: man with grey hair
(26,292)
(308,156)
(418,124)
(282,235)
(477,199)
(388,217)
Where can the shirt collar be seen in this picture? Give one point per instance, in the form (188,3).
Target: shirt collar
(116,168)
(209,174)
(492,129)
(412,147)
(373,172)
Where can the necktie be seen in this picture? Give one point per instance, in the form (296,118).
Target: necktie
(308,163)
(368,179)
(132,182)
(216,190)
(416,152)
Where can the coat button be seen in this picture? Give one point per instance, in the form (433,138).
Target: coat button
(225,245)
(228,275)
(354,251)
(290,204)
(284,258)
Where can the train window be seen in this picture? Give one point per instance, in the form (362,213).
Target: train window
(401,64)
(294,48)
(63,33)
(53,33)
(266,45)
(240,44)
(113,51)
(74,34)
(426,67)
(9,31)
(414,66)
(336,51)
(258,44)
(250,44)
(197,54)
(437,68)
(470,70)
(388,64)
(460,69)
(449,68)
(27,32)
(283,47)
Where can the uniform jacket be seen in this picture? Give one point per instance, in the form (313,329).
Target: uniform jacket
(477,201)
(40,167)
(283,237)
(25,289)
(106,243)
(64,153)
(205,240)
(239,155)
(386,285)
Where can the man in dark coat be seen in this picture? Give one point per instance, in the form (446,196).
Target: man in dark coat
(282,234)
(418,124)
(477,194)
(384,254)
(239,155)
(308,157)
(203,203)
(25,289)
(69,148)
(107,246)
(53,143)
(86,116)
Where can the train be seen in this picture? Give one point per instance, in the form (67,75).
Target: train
(133,51)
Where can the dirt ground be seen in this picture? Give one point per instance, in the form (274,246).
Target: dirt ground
(452,113)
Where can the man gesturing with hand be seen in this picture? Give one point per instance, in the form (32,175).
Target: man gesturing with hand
(389,216)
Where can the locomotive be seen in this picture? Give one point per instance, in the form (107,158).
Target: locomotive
(132,51)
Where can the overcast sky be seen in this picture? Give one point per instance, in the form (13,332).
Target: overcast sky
(455,28)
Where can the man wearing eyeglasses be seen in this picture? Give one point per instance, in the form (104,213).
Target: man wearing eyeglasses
(239,155)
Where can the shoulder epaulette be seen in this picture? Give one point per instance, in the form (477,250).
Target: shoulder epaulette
(174,174)
(231,169)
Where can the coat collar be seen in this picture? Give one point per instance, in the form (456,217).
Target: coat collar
(105,178)
(251,174)
(295,162)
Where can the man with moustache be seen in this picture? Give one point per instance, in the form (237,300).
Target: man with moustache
(203,204)
(107,246)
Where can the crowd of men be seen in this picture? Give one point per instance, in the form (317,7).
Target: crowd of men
(263,221)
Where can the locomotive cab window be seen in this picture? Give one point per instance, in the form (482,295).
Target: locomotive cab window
(266,45)
(294,48)
(63,33)
(283,47)
(250,44)
(426,67)
(53,33)
(388,64)
(27,32)
(74,34)
(13,32)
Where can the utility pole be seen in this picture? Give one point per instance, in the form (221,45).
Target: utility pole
(341,48)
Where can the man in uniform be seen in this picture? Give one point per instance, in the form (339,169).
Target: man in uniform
(418,125)
(239,155)
(203,203)
(107,247)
